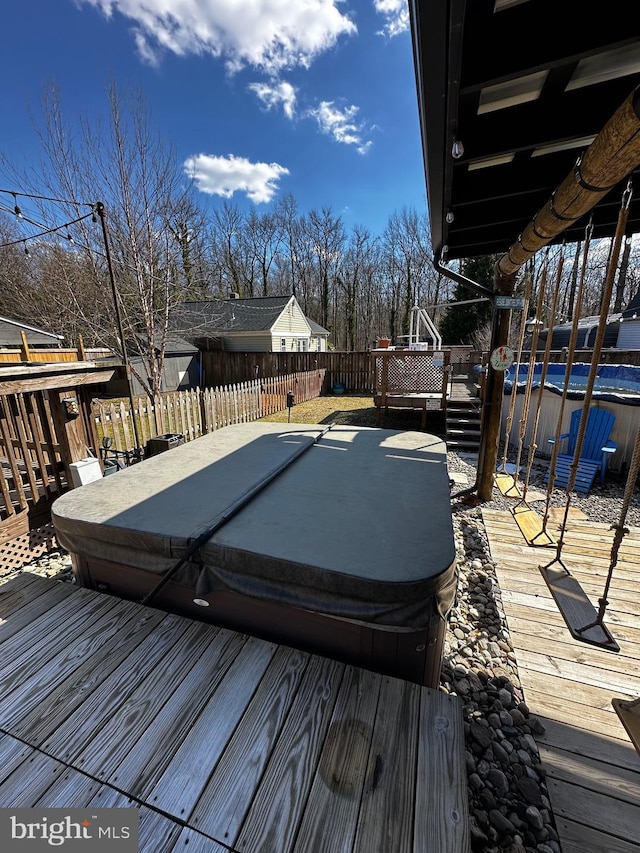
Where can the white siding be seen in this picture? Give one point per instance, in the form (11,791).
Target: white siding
(291,321)
(629,335)
(291,343)
(318,344)
(258,342)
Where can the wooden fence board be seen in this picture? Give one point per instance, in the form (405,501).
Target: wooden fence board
(195,412)
(5,435)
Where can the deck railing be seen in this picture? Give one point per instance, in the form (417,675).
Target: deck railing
(30,456)
(196,412)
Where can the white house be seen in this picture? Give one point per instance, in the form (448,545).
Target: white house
(259,324)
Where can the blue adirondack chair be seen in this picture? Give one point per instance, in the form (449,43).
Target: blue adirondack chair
(595,453)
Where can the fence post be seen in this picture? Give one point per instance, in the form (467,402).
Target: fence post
(25,353)
(81,354)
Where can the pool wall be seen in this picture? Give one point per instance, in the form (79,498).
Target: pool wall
(622,398)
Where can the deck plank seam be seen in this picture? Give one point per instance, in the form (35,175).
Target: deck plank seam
(100,782)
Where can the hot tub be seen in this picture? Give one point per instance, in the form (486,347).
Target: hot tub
(347,552)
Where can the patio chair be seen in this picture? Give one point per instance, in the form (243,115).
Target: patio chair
(596,450)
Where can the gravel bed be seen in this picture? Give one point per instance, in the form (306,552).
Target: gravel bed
(509,805)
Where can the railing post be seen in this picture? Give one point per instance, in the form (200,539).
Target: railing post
(25,353)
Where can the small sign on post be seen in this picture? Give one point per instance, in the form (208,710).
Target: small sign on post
(514,302)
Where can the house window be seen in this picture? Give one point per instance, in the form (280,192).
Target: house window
(283,344)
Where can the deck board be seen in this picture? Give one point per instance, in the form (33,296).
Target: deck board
(278,802)
(399,705)
(223,742)
(342,768)
(593,770)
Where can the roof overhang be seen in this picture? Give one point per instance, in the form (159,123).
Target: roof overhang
(510,94)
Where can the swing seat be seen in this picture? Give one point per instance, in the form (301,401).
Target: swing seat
(596,450)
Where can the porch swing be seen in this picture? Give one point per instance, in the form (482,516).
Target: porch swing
(582,619)
(526,518)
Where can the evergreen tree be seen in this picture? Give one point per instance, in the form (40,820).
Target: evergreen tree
(461,323)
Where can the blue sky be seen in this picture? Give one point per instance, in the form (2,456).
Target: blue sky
(260,98)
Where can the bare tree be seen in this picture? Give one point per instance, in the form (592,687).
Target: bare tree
(327,234)
(232,250)
(264,236)
(121,164)
(354,279)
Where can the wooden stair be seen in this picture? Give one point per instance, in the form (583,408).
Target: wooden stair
(463,424)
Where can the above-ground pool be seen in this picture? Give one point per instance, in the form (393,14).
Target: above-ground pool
(616,388)
(617,382)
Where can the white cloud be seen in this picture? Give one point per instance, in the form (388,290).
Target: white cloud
(397,14)
(341,124)
(266,34)
(225,176)
(272,95)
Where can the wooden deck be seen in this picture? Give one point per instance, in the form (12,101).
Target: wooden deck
(593,769)
(223,742)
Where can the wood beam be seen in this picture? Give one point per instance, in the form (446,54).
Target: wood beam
(614,154)
(10,383)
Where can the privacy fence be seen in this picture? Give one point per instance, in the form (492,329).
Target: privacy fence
(196,412)
(354,370)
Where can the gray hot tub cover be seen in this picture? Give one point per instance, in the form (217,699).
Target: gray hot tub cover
(358,527)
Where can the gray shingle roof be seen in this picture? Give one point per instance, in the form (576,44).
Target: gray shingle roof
(216,317)
(10,334)
(316,328)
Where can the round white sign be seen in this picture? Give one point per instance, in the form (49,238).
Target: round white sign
(502,358)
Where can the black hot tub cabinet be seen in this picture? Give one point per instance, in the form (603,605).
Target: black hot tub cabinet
(348,552)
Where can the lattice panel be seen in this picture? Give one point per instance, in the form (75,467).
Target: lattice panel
(411,372)
(16,552)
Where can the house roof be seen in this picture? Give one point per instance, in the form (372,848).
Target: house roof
(317,329)
(10,334)
(522,86)
(217,317)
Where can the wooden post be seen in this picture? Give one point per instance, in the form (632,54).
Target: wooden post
(25,353)
(82,354)
(493,390)
(91,430)
(157,413)
(69,428)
